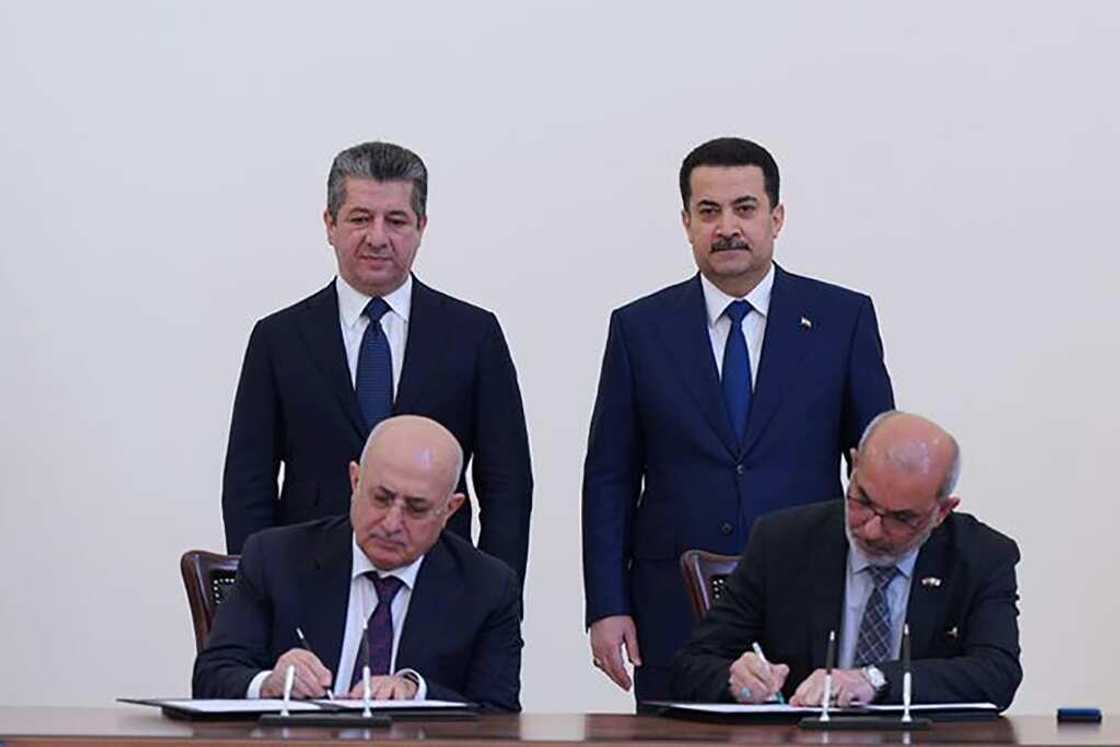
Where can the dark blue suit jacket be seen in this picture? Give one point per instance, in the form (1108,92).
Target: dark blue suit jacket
(964,631)
(664,472)
(462,632)
(296,405)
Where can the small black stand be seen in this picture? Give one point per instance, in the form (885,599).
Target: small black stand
(331,720)
(864,723)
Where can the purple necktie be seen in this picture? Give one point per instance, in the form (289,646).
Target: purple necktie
(377,647)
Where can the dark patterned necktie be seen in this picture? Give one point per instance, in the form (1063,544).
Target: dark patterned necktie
(736,378)
(874,642)
(377,646)
(374,380)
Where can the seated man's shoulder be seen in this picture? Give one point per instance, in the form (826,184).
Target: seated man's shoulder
(806,519)
(279,542)
(979,543)
(478,567)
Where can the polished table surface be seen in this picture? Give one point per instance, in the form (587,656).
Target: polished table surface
(136,725)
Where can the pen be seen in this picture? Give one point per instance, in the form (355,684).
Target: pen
(307,646)
(758,652)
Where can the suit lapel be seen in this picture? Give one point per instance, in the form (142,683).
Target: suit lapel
(437,591)
(685,337)
(423,349)
(828,575)
(927,597)
(327,592)
(784,345)
(319,326)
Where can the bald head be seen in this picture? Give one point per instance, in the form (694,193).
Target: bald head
(914,446)
(404,489)
(419,442)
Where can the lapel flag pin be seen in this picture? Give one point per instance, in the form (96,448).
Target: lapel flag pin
(952,632)
(933,581)
(805,323)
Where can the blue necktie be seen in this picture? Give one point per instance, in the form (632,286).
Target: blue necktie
(374,381)
(873,644)
(737,369)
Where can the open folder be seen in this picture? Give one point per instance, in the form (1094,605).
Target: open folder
(221,710)
(776,711)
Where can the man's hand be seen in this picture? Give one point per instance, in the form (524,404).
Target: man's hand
(311,681)
(849,687)
(753,680)
(608,635)
(385,688)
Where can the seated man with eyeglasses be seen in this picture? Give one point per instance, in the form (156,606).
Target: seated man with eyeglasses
(893,552)
(441,619)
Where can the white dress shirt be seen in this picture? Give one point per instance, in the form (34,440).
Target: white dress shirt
(363,600)
(754,323)
(394,323)
(857,590)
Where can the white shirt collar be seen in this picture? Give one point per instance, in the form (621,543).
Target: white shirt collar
(858,560)
(352,302)
(362,565)
(716,300)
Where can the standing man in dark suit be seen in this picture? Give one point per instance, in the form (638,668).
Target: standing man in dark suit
(376,341)
(443,619)
(721,398)
(893,552)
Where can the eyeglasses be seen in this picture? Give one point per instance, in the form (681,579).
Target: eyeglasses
(416,509)
(862,510)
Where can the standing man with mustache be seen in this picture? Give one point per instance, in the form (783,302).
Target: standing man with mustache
(375,342)
(721,398)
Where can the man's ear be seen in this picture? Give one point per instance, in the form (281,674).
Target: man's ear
(355,473)
(686,219)
(778,218)
(946,507)
(453,504)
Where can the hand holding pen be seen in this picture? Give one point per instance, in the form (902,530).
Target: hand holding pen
(753,679)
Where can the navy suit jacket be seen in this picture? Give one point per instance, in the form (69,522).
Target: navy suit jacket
(296,405)
(462,632)
(664,472)
(788,592)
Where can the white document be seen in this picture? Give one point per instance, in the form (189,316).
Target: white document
(264,705)
(389,705)
(781,708)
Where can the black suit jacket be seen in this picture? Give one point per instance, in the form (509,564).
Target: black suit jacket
(296,405)
(462,632)
(788,590)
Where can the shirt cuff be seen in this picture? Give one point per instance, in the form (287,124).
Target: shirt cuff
(254,690)
(421,685)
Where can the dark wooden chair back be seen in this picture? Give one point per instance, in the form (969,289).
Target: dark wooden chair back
(208,577)
(704,576)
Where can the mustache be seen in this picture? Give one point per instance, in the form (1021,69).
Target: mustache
(729,244)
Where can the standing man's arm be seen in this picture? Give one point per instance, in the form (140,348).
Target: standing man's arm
(501,466)
(868,390)
(249,492)
(612,478)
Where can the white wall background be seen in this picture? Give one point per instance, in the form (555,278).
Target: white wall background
(162,171)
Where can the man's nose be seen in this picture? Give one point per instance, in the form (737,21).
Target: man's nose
(393,518)
(728,225)
(873,528)
(375,232)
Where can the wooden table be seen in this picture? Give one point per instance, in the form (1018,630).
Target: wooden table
(145,726)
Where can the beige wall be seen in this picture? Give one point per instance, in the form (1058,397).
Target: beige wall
(161,183)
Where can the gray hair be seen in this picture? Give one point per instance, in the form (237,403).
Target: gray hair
(383,162)
(949,483)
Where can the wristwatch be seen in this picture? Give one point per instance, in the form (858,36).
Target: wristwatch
(875,678)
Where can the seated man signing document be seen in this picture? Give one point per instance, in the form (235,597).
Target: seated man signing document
(443,617)
(893,552)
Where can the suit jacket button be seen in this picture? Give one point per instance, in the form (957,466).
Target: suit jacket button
(726,527)
(739,469)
